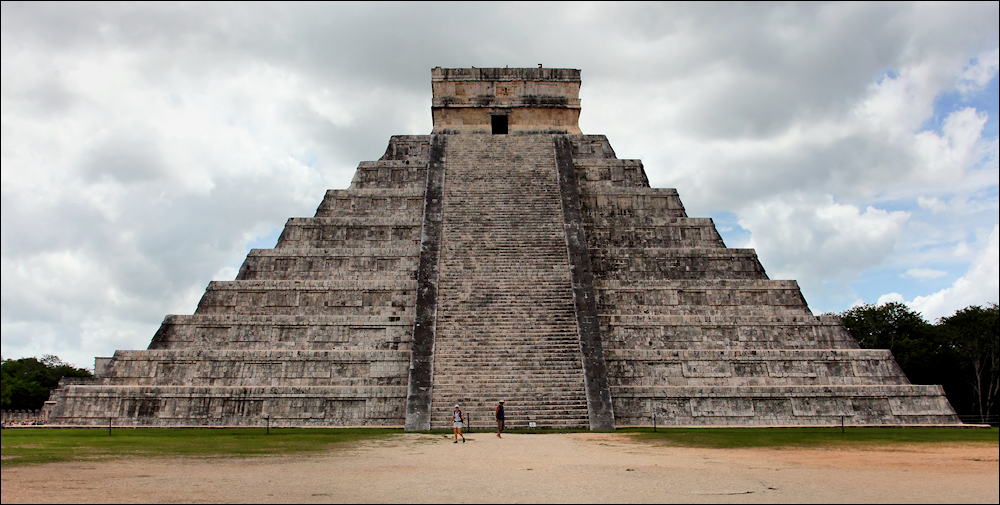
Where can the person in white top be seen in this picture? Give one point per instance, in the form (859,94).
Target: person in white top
(457,422)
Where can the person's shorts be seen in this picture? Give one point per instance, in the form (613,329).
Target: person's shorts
(457,424)
(500,424)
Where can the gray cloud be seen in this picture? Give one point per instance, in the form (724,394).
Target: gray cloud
(127,156)
(144,145)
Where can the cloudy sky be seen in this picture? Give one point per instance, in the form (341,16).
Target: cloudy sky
(147,147)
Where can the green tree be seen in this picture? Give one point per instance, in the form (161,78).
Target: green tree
(916,344)
(26,382)
(974,335)
(881,326)
(921,349)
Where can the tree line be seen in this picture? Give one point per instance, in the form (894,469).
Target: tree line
(26,382)
(960,352)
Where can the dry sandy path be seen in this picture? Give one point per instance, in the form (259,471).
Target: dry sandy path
(529,468)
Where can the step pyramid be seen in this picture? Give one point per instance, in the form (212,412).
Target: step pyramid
(506,256)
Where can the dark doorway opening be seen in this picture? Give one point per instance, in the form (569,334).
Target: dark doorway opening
(499,124)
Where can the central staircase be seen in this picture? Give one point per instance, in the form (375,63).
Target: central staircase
(506,323)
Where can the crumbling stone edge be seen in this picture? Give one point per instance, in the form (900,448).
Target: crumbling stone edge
(421,374)
(599,407)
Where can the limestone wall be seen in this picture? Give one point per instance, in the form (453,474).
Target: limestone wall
(267,332)
(257,368)
(648,263)
(642,331)
(230,406)
(783,405)
(288,263)
(753,367)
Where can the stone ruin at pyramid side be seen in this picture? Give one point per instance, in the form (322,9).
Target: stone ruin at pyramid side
(505,256)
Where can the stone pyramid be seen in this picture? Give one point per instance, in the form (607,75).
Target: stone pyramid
(504,256)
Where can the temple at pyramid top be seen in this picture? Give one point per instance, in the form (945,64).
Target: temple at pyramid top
(502,100)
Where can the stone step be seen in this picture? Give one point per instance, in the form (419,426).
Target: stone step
(475,350)
(540,372)
(507,337)
(512,338)
(550,417)
(520,406)
(484,359)
(546,383)
(520,373)
(561,392)
(553,389)
(523,399)
(561,415)
(495,356)
(536,374)
(450,361)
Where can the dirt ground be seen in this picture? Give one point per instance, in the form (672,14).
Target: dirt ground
(529,468)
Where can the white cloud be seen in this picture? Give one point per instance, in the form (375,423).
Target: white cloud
(980,285)
(923,273)
(947,156)
(890,298)
(962,249)
(933,204)
(821,241)
(899,104)
(978,75)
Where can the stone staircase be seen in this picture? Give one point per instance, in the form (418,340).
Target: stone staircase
(506,325)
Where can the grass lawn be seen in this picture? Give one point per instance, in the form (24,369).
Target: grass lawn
(724,438)
(27,446)
(31,446)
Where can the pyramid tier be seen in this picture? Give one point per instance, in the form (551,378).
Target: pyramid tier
(284,332)
(776,367)
(183,405)
(307,263)
(783,405)
(679,263)
(742,332)
(351,296)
